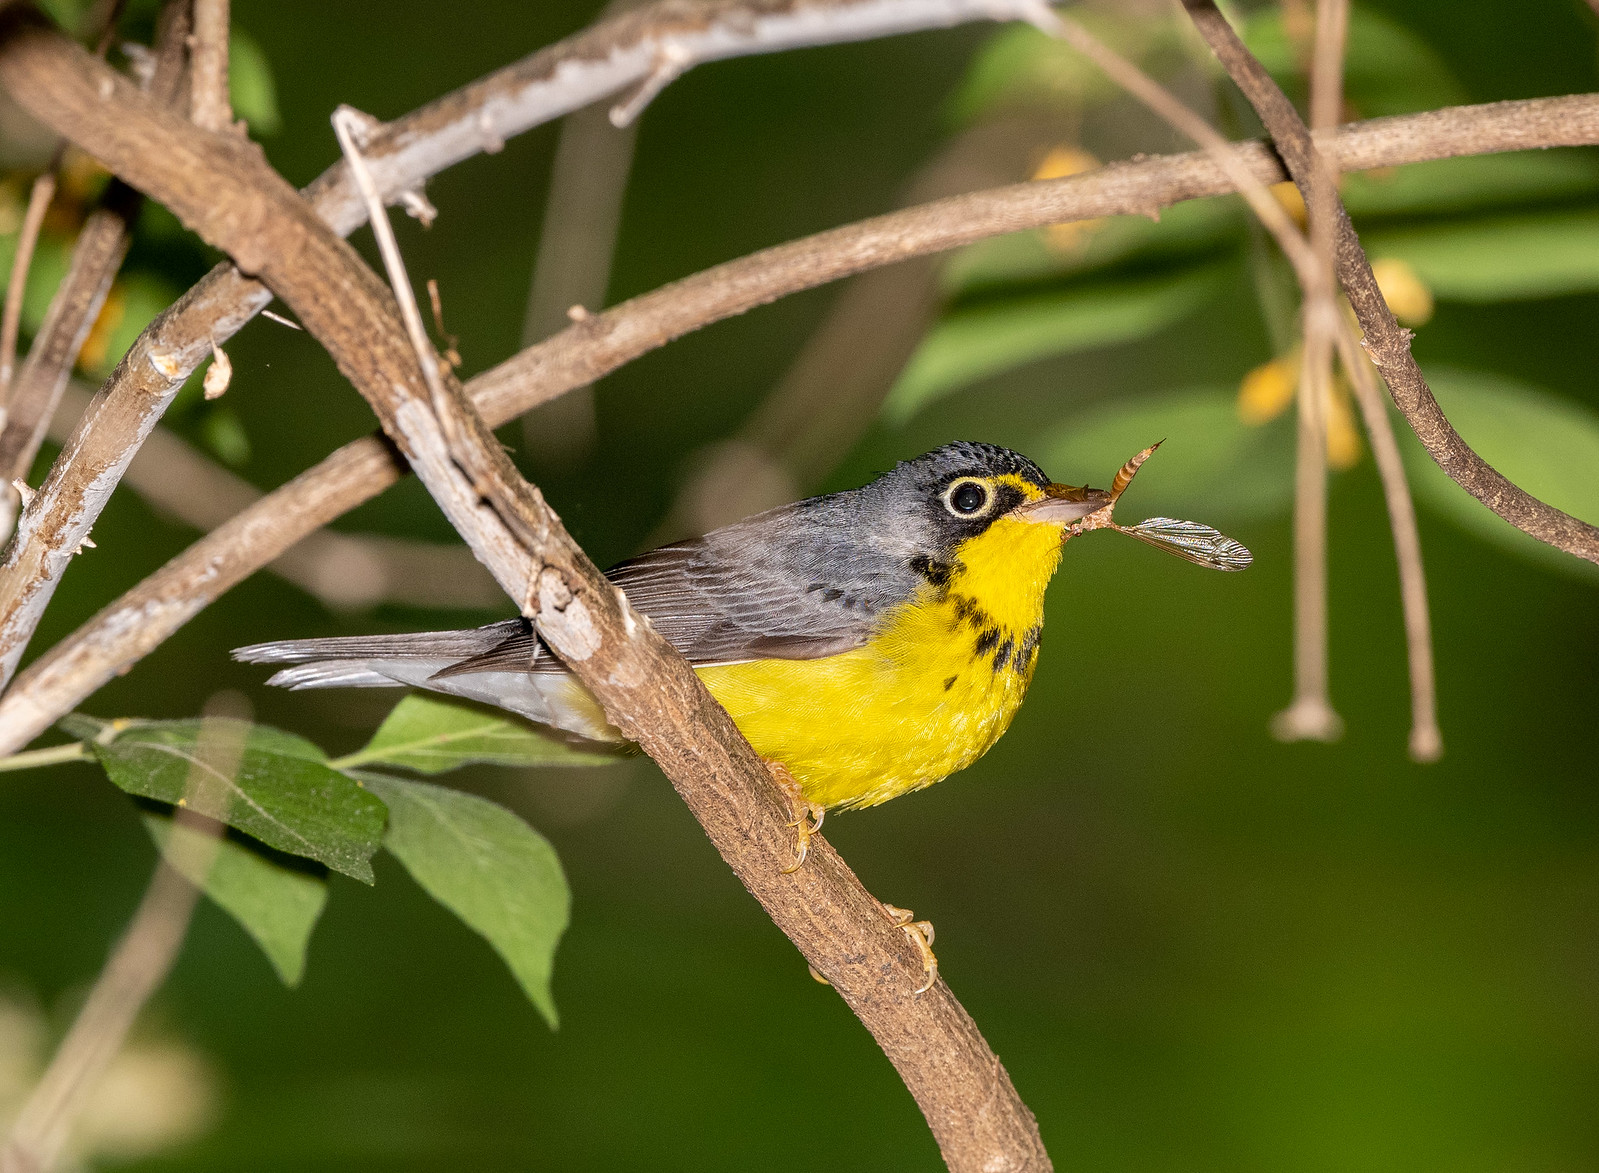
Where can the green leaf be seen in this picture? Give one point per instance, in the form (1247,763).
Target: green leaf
(251,90)
(433,734)
(276,901)
(1387,68)
(1472,183)
(1186,232)
(223,433)
(974,342)
(1212,466)
(1019,66)
(1499,258)
(488,867)
(283,793)
(1543,442)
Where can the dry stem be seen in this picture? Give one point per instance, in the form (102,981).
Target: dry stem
(1426,739)
(209,104)
(1385,341)
(39,197)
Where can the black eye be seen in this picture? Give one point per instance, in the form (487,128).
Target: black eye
(968,498)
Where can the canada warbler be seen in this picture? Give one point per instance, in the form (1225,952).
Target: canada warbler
(868,643)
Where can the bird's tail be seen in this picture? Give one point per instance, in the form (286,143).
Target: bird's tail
(422,660)
(373,661)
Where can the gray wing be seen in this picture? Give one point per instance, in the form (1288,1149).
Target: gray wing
(772,587)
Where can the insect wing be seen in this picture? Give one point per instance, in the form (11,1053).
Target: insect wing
(1199,544)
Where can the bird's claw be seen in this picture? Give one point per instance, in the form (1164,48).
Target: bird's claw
(920,934)
(808,815)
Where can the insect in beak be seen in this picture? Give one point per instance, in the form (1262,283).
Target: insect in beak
(1189,540)
(1063,504)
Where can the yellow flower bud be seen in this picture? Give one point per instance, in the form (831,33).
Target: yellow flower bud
(1060,162)
(1268,389)
(1286,194)
(1343,433)
(92,357)
(1403,289)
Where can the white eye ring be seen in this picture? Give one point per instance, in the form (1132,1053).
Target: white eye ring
(960,501)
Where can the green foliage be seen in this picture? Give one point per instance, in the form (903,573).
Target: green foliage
(488,867)
(1185,233)
(1021,66)
(1387,68)
(285,800)
(224,434)
(974,342)
(1472,183)
(1499,258)
(432,734)
(277,901)
(1212,466)
(1545,443)
(283,792)
(251,88)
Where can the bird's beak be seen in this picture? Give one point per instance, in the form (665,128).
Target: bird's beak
(1062,505)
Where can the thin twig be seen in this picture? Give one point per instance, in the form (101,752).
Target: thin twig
(1225,154)
(96,256)
(1311,715)
(343,571)
(55,755)
(209,105)
(131,627)
(347,123)
(1385,341)
(577,240)
(1426,739)
(139,963)
(39,197)
(834,388)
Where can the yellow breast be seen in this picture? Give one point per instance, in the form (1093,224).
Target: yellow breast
(932,690)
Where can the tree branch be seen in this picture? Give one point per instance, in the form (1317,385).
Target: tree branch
(101,246)
(224,189)
(401,155)
(343,571)
(1386,342)
(209,105)
(131,627)
(39,197)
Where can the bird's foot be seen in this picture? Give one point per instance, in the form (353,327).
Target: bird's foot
(920,934)
(808,815)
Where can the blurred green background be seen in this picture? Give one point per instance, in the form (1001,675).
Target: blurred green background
(1194,947)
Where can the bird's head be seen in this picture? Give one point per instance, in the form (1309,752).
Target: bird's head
(980,513)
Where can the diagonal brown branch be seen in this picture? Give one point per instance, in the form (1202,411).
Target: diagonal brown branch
(133,626)
(101,246)
(225,190)
(1386,342)
(402,154)
(344,571)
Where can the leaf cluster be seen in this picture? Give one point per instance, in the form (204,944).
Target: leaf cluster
(283,816)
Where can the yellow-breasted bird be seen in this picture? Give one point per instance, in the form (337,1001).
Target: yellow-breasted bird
(869,642)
